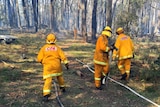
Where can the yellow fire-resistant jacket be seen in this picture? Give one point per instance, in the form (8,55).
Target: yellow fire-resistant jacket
(101,51)
(125,47)
(50,55)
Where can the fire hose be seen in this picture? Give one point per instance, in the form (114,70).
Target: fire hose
(85,65)
(57,95)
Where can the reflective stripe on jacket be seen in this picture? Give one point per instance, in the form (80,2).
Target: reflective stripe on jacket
(101,51)
(125,47)
(50,55)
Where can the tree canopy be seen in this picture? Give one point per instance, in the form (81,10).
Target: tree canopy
(138,17)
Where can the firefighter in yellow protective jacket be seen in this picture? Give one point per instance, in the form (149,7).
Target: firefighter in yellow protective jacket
(124,53)
(101,57)
(50,56)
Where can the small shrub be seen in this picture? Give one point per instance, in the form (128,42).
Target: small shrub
(157,61)
(151,74)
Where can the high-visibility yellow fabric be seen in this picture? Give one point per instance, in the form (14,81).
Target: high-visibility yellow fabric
(47,86)
(48,82)
(125,47)
(51,56)
(124,66)
(100,71)
(101,59)
(101,51)
(125,50)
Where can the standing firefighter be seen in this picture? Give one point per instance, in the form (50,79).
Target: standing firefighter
(50,55)
(101,57)
(124,53)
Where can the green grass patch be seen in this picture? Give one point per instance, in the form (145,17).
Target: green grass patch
(7,74)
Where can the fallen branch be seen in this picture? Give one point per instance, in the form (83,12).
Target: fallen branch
(8,65)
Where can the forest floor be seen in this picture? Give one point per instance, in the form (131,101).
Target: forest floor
(21,79)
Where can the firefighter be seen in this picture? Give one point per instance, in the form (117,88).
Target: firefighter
(124,53)
(50,56)
(101,57)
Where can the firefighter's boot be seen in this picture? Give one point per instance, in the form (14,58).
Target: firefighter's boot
(99,88)
(45,98)
(124,76)
(63,89)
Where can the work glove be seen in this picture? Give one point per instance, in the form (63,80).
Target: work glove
(113,47)
(67,66)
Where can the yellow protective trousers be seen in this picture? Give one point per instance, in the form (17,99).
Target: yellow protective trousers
(124,66)
(100,71)
(48,84)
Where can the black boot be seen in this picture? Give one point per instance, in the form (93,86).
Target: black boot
(63,89)
(99,88)
(124,76)
(45,98)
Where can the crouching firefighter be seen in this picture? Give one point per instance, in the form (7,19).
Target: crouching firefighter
(101,60)
(124,53)
(50,56)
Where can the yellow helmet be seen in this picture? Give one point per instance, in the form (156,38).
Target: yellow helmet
(107,28)
(120,30)
(51,38)
(107,33)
